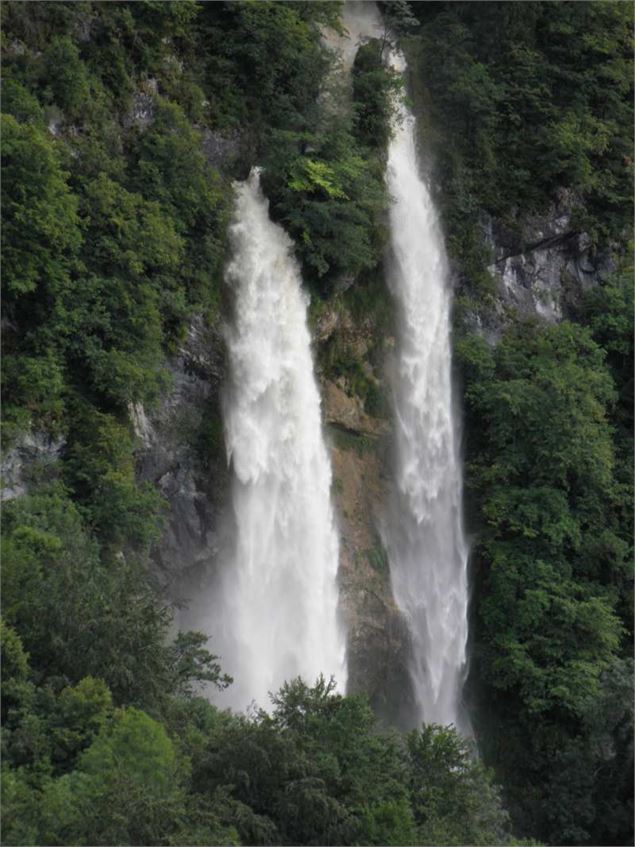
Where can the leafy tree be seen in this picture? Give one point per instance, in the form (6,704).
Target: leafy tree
(374,92)
(452,797)
(81,712)
(40,229)
(169,167)
(66,76)
(318,770)
(328,203)
(552,558)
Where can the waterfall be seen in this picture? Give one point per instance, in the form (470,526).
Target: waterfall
(424,534)
(426,543)
(276,603)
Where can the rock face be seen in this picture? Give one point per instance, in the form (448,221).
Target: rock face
(179,452)
(378,645)
(141,113)
(542,271)
(378,640)
(34,452)
(347,413)
(223,150)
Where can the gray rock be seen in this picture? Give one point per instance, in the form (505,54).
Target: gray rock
(222,149)
(142,111)
(167,456)
(540,271)
(32,450)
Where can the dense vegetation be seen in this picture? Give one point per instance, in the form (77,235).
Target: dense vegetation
(520,103)
(113,236)
(525,105)
(114,220)
(550,478)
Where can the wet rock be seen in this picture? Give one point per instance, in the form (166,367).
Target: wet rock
(378,642)
(347,412)
(326,324)
(541,270)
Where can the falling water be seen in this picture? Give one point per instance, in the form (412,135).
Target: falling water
(426,543)
(277,601)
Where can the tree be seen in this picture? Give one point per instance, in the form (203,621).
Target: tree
(40,223)
(452,795)
(552,562)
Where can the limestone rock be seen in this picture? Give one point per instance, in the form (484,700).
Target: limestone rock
(142,112)
(541,270)
(378,641)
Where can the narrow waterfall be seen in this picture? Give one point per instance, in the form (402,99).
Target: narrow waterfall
(276,604)
(426,543)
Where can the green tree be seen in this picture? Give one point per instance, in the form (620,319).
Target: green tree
(452,795)
(40,223)
(66,76)
(552,560)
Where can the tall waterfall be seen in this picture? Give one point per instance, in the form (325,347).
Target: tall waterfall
(426,543)
(277,600)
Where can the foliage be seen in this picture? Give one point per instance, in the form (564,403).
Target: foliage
(453,800)
(317,771)
(329,200)
(114,215)
(521,100)
(553,559)
(83,617)
(40,229)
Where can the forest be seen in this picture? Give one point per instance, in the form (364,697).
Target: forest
(115,235)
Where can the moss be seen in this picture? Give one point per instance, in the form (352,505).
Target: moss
(349,440)
(378,559)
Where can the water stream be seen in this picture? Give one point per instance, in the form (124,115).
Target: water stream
(424,533)
(276,605)
(426,542)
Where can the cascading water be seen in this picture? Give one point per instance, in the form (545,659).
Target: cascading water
(276,604)
(423,533)
(426,543)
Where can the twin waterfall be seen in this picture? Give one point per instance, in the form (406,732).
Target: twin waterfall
(278,609)
(277,601)
(426,544)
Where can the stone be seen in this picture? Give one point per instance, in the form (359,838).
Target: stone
(166,456)
(221,149)
(142,112)
(347,412)
(19,462)
(540,271)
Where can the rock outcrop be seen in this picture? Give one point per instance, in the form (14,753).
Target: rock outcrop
(34,453)
(180,452)
(542,270)
(378,645)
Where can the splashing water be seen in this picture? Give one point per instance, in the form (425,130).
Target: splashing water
(426,543)
(424,533)
(276,605)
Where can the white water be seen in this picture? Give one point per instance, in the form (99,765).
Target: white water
(424,533)
(426,543)
(276,605)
